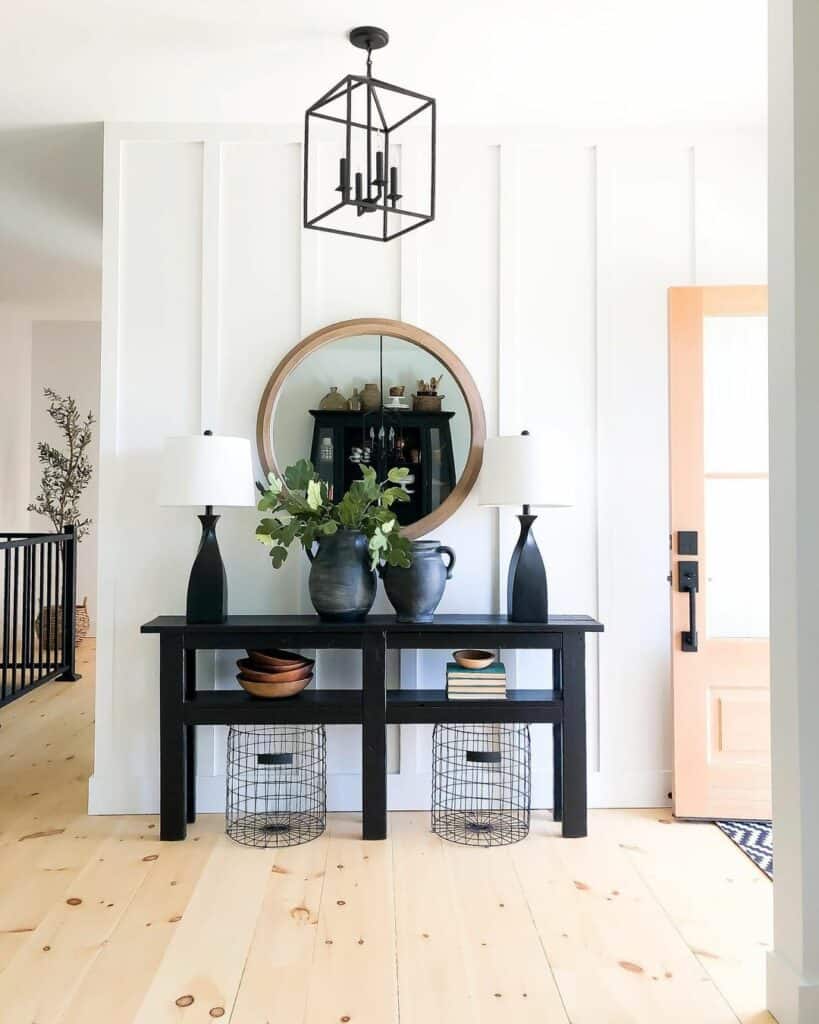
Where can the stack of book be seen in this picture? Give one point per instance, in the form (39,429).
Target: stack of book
(476,683)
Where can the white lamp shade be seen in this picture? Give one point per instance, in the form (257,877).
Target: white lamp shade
(526,469)
(206,470)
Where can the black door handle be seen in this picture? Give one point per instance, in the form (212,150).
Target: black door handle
(689,584)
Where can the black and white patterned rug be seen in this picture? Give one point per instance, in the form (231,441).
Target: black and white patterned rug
(754,839)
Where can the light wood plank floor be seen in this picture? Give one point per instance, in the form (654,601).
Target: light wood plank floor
(646,921)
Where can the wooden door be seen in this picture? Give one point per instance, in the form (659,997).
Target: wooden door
(719,549)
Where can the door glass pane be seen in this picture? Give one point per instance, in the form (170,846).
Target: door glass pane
(736,529)
(735,393)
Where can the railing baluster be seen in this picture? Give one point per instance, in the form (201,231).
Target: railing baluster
(42,623)
(70,605)
(59,660)
(6,601)
(32,610)
(24,626)
(14,607)
(49,616)
(59,602)
(55,618)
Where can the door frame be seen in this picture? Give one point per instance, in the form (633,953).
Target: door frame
(687,308)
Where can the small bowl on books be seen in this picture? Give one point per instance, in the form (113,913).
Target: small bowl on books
(473,659)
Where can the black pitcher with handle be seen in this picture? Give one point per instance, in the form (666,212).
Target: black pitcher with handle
(415,592)
(342,584)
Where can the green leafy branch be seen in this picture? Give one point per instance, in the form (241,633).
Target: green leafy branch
(298,508)
(67,473)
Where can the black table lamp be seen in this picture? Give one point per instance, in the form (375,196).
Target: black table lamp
(206,470)
(525,470)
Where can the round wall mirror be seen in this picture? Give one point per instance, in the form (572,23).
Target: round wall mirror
(378,393)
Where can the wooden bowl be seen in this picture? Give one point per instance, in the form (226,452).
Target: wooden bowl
(277,659)
(281,675)
(273,691)
(474,659)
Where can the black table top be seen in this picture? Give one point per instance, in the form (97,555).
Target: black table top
(374,624)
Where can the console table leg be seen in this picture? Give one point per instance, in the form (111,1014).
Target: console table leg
(557,772)
(574,735)
(557,744)
(190,737)
(172,745)
(374,738)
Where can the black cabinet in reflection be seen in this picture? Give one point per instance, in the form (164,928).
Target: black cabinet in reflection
(343,441)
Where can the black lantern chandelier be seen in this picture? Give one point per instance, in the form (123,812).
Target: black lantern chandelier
(369,154)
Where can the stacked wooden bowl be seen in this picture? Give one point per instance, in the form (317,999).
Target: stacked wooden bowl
(274,673)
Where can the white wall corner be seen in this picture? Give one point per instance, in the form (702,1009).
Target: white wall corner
(793,965)
(109,793)
(792,999)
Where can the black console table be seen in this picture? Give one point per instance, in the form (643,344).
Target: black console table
(183,707)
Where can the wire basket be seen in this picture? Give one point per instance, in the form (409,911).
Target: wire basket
(276,784)
(481,783)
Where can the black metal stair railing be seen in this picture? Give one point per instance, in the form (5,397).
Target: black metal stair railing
(38,598)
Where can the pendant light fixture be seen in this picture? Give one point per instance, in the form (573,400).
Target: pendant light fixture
(369,154)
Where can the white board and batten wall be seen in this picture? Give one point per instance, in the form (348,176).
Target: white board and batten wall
(546,271)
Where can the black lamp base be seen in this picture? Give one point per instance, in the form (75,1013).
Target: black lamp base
(527,597)
(207,586)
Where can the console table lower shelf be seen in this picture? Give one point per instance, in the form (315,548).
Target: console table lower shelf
(183,707)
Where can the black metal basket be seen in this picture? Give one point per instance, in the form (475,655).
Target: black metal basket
(276,784)
(481,783)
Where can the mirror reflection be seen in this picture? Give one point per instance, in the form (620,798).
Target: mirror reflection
(378,401)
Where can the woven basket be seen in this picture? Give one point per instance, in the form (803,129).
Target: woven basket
(49,625)
(83,622)
(427,403)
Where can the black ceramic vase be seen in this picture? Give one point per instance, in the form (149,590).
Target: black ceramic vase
(342,584)
(416,592)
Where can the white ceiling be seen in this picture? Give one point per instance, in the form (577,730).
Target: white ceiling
(589,64)
(547,61)
(51,219)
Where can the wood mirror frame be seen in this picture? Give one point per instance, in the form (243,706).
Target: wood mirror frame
(406,332)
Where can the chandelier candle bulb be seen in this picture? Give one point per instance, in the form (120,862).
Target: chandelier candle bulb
(343,178)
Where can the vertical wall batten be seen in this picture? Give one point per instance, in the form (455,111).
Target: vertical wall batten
(209,304)
(207,754)
(410,749)
(603,258)
(692,214)
(508,355)
(104,734)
